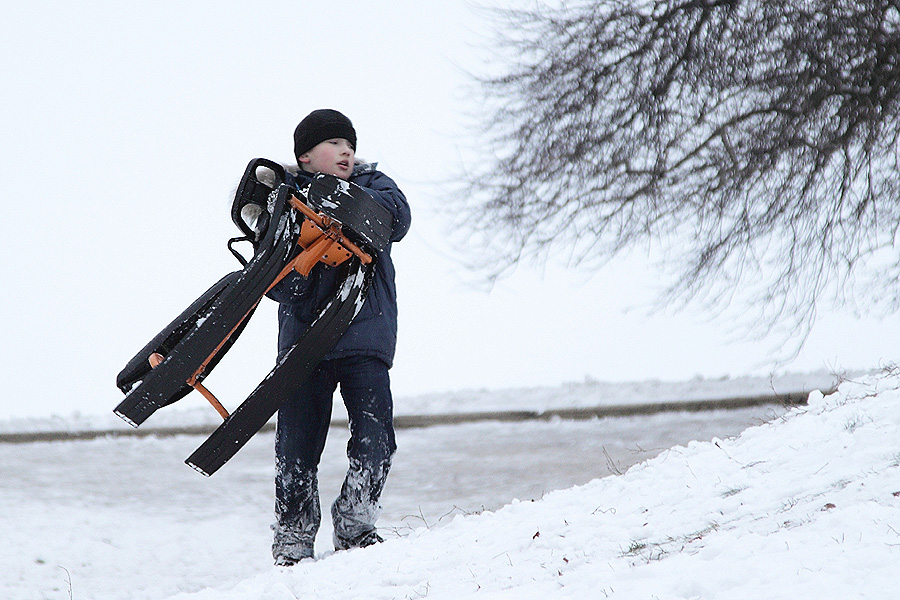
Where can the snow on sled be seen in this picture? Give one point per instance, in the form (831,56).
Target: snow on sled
(331,221)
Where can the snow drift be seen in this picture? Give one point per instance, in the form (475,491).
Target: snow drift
(807,506)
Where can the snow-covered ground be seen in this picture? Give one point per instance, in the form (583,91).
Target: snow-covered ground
(804,506)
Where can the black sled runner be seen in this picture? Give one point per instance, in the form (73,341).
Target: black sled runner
(330,221)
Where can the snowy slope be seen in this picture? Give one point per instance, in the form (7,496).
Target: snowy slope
(807,506)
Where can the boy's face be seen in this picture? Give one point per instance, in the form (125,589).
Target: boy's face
(334,157)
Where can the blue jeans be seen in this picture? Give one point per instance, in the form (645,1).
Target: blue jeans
(303,423)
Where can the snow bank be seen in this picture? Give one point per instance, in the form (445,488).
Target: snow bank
(807,506)
(593,393)
(194,412)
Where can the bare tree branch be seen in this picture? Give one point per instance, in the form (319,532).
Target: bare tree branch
(756,139)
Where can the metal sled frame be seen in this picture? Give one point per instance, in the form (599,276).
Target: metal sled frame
(287,235)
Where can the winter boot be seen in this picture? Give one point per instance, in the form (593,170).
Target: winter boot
(291,547)
(368,538)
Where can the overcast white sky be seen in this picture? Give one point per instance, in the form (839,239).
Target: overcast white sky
(125,127)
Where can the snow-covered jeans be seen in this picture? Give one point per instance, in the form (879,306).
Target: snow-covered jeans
(303,423)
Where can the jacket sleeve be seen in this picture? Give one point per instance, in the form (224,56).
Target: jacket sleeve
(386,193)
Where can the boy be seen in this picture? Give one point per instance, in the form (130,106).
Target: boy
(325,142)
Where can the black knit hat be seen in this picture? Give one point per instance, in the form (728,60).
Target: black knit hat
(320,125)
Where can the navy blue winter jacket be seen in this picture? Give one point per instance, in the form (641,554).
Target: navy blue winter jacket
(374,330)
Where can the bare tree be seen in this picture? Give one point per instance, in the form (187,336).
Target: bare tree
(755,141)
